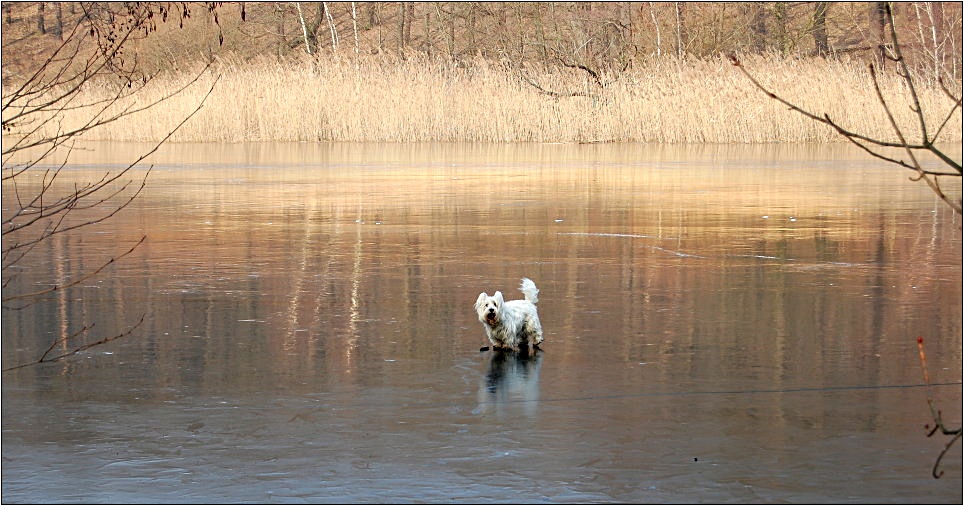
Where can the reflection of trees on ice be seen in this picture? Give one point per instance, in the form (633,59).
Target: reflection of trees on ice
(354,311)
(511,377)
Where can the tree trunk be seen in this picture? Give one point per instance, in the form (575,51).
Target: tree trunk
(331,26)
(354,25)
(402,12)
(304,28)
(427,47)
(878,21)
(315,26)
(659,40)
(410,17)
(59,27)
(936,12)
(282,39)
(372,15)
(782,28)
(40,18)
(503,16)
(820,42)
(522,35)
(759,27)
(471,28)
(452,38)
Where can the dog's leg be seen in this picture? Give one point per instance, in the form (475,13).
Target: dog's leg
(531,332)
(523,341)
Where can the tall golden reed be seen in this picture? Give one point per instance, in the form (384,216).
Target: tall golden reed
(660,101)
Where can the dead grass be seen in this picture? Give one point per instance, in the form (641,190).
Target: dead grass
(661,101)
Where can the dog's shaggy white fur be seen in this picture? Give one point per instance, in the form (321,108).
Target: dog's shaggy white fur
(514,323)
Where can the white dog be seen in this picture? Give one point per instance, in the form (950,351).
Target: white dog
(514,323)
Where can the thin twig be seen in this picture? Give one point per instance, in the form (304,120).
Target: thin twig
(935,414)
(862,141)
(44,359)
(75,282)
(551,93)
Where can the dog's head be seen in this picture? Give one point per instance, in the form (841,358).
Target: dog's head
(490,308)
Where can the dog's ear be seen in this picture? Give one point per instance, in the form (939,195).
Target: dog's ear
(481,300)
(498,298)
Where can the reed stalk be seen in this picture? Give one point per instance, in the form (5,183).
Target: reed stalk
(419,99)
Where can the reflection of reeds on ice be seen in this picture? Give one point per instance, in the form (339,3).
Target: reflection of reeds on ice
(663,100)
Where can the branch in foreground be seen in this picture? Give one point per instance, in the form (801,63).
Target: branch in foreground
(936,415)
(865,142)
(74,282)
(853,136)
(45,359)
(38,208)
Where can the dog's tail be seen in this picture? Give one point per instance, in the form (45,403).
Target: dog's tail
(529,289)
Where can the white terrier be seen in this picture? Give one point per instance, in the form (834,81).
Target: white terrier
(514,323)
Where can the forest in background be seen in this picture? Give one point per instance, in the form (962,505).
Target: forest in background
(589,36)
(504,71)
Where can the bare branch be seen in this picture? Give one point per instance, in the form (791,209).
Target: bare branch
(935,414)
(75,282)
(551,93)
(94,52)
(864,142)
(97,118)
(905,73)
(957,99)
(592,73)
(45,359)
(821,119)
(922,174)
(60,208)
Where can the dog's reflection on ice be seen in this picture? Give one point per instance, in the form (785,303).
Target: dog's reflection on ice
(512,378)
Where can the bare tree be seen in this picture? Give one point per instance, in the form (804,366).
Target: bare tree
(306,34)
(936,38)
(879,12)
(758,31)
(40,18)
(43,200)
(820,42)
(879,148)
(595,46)
(403,25)
(681,34)
(354,25)
(331,25)
(659,39)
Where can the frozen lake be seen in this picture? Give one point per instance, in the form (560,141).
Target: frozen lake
(722,324)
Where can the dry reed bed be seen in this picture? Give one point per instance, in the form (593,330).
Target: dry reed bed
(662,101)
